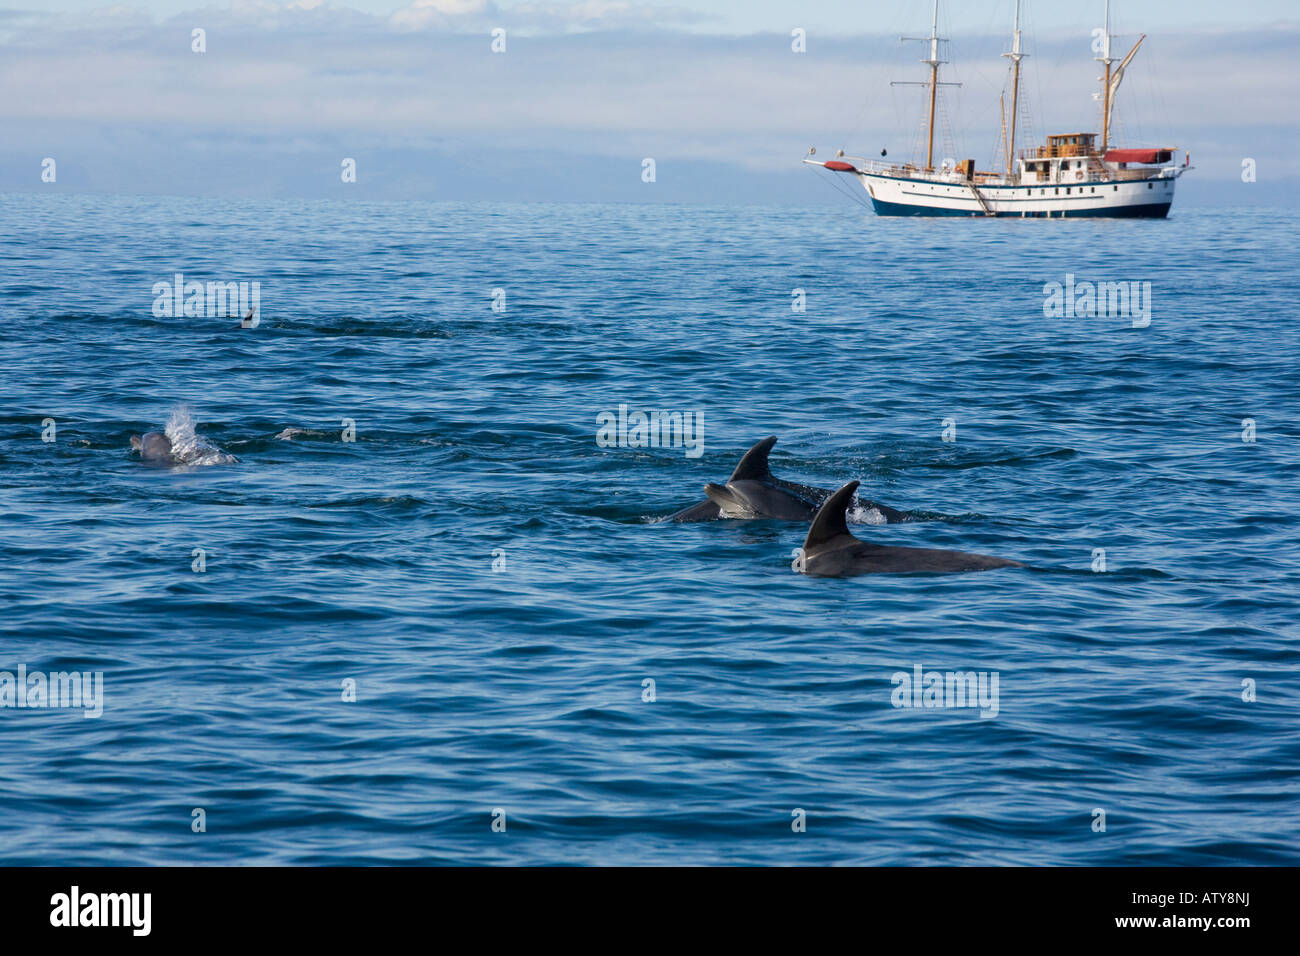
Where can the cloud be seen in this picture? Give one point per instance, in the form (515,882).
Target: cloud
(325,81)
(537,18)
(442,14)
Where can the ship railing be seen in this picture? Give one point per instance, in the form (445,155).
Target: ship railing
(902,170)
(1097,165)
(872,165)
(1054,152)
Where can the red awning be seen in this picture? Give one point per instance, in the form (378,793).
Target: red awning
(1139,156)
(840,167)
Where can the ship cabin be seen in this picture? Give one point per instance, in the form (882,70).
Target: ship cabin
(1073,157)
(1067,158)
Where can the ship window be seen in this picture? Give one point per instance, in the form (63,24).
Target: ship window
(1116,189)
(1067,190)
(1094,188)
(1151,185)
(1057,192)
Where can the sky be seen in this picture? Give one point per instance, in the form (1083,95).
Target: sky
(847,16)
(584,92)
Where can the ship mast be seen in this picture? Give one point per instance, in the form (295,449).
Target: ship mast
(1112,79)
(1107,59)
(1016,57)
(933,63)
(934,83)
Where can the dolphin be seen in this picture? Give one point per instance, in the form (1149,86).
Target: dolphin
(153,447)
(753,492)
(830,551)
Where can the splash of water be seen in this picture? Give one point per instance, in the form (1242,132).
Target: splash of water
(189,447)
(858,514)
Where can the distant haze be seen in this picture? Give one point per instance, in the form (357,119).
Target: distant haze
(584,92)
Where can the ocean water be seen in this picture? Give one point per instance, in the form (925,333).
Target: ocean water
(496,589)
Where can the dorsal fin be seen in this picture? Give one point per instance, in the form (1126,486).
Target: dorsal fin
(830,520)
(753,467)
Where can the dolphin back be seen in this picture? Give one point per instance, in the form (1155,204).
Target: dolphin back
(152,446)
(704,511)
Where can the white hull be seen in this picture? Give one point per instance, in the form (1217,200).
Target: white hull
(955,196)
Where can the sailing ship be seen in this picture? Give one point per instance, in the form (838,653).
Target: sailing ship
(1072,175)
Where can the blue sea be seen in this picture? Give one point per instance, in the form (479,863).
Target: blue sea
(424,617)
